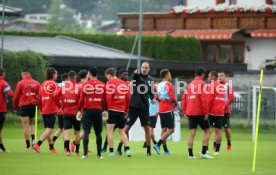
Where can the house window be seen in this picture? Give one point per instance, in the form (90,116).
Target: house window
(223,53)
(220,2)
(231,2)
(271,2)
(183,2)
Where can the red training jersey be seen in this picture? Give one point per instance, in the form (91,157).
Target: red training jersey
(165,95)
(26,92)
(117,95)
(215,102)
(46,100)
(5,91)
(92,95)
(69,95)
(194,99)
(229,97)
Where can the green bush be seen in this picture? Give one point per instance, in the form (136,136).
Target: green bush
(14,62)
(161,48)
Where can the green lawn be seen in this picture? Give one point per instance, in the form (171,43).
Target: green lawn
(236,162)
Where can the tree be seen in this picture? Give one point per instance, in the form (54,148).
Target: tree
(110,8)
(62,18)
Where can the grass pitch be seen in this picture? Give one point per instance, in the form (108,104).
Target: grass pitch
(238,161)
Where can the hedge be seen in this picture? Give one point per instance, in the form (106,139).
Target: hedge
(157,47)
(14,62)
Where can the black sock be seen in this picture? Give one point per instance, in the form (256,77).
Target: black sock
(126,148)
(215,144)
(66,145)
(204,149)
(28,144)
(120,147)
(85,142)
(148,150)
(229,142)
(191,152)
(217,147)
(74,142)
(111,150)
(33,137)
(159,143)
(165,148)
(154,142)
(105,143)
(145,145)
(2,147)
(51,146)
(39,142)
(54,138)
(77,148)
(99,144)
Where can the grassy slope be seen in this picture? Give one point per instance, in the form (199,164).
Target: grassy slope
(238,161)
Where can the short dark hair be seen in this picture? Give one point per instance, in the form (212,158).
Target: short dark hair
(2,71)
(164,72)
(111,71)
(64,77)
(72,75)
(93,71)
(25,70)
(222,72)
(214,73)
(82,73)
(50,72)
(200,71)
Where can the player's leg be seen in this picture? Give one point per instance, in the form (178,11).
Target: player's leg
(205,126)
(120,124)
(60,128)
(132,117)
(25,126)
(144,119)
(31,122)
(77,125)
(167,124)
(68,123)
(87,124)
(226,125)
(193,122)
(218,126)
(111,121)
(31,128)
(49,122)
(152,124)
(98,128)
(2,121)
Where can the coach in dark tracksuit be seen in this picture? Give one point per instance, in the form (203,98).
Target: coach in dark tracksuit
(139,105)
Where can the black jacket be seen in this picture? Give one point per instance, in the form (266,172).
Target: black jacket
(140,100)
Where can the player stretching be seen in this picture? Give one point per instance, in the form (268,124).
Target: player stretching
(165,95)
(25,100)
(194,108)
(48,108)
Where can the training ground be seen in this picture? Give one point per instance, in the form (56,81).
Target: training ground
(238,161)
